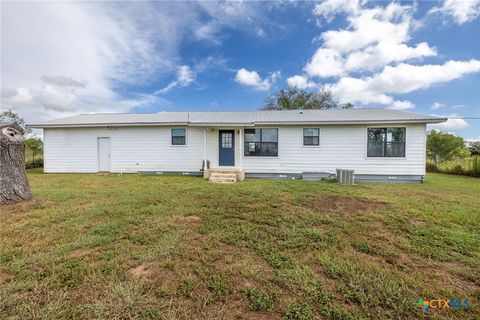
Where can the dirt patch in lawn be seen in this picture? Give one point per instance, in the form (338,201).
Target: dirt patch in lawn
(192,219)
(17,207)
(339,203)
(142,271)
(5,277)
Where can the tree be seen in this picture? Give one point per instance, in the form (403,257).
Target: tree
(34,144)
(443,146)
(13,180)
(294,98)
(474,148)
(7,117)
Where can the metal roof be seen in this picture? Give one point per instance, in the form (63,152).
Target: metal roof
(242,118)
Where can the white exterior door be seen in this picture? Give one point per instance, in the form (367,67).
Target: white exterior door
(104,154)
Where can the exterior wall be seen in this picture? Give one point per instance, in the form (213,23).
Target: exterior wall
(136,149)
(342,147)
(133,149)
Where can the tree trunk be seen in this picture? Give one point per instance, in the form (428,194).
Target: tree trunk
(13,179)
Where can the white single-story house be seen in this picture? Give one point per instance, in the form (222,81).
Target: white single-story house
(378,144)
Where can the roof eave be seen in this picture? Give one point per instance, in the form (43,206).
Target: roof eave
(241,124)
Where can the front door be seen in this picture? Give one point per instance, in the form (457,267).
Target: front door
(227,148)
(104,154)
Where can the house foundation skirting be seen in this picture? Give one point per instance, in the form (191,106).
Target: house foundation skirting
(315,176)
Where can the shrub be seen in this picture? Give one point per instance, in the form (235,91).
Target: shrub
(467,167)
(431,167)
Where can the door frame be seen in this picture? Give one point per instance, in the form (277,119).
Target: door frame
(220,146)
(109,154)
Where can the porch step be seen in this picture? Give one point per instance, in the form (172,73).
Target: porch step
(220,177)
(220,173)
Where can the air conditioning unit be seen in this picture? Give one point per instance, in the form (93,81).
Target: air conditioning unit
(345,176)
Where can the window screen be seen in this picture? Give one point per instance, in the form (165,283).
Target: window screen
(178,137)
(311,136)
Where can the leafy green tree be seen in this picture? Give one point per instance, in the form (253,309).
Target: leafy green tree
(36,145)
(294,98)
(474,148)
(443,146)
(9,116)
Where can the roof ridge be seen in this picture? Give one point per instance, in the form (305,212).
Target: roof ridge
(220,111)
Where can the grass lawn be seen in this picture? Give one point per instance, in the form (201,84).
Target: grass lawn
(131,246)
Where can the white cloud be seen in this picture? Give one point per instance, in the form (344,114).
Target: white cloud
(300,82)
(374,38)
(253,79)
(185,76)
(63,58)
(400,79)
(402,105)
(461,11)
(329,8)
(437,105)
(454,122)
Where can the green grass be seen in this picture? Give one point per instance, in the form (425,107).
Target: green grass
(166,247)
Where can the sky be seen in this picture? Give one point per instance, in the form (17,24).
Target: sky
(64,58)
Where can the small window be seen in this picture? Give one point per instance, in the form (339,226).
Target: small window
(227,140)
(178,137)
(311,136)
(261,142)
(386,142)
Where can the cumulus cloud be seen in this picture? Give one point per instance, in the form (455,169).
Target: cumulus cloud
(300,82)
(454,122)
(372,58)
(437,105)
(72,57)
(402,105)
(252,79)
(374,38)
(461,11)
(330,8)
(400,79)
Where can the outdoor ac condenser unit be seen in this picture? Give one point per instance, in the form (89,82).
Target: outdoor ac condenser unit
(345,176)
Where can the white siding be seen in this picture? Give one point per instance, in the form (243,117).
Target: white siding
(132,149)
(341,147)
(148,148)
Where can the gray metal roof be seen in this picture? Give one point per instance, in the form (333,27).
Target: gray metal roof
(242,118)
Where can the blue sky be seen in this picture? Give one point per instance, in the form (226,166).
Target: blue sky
(60,59)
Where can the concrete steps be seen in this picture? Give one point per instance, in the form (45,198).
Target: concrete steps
(218,177)
(224,175)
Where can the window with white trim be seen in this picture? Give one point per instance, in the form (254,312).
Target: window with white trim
(179,137)
(311,137)
(386,142)
(261,142)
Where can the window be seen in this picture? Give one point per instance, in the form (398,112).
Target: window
(261,142)
(227,140)
(386,142)
(178,137)
(311,136)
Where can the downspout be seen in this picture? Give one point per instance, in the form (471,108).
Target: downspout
(204,152)
(241,148)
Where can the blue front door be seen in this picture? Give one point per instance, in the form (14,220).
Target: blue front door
(226,146)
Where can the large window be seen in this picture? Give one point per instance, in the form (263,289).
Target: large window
(311,136)
(386,142)
(179,137)
(261,142)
